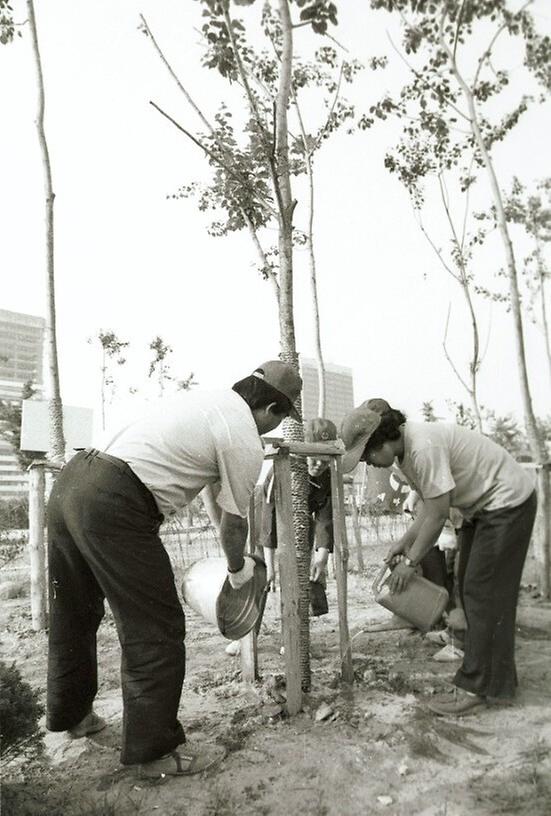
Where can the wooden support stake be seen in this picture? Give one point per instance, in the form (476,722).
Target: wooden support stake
(357,532)
(341,565)
(37,555)
(249,651)
(288,572)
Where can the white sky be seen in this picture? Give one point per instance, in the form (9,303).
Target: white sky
(131,260)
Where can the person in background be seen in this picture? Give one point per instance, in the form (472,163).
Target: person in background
(320,507)
(452,467)
(104,515)
(321,519)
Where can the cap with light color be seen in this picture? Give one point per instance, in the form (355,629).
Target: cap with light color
(320,430)
(356,430)
(380,406)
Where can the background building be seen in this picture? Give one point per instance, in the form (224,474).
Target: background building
(21,361)
(339,388)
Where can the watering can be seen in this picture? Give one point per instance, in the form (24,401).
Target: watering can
(206,588)
(421,603)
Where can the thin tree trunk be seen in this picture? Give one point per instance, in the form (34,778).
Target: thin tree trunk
(463,280)
(292,430)
(103,373)
(543,306)
(55,406)
(475,362)
(312,264)
(537,445)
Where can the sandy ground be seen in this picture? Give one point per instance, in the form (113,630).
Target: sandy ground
(379,751)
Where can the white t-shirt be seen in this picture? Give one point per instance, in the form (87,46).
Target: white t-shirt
(190,440)
(441,458)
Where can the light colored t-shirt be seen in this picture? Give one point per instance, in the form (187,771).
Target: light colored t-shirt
(190,440)
(443,458)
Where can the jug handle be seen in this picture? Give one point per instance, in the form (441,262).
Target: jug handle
(376,586)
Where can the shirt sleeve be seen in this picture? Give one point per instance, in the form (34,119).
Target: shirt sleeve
(239,470)
(432,471)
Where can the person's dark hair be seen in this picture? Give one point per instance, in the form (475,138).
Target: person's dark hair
(388,430)
(258,394)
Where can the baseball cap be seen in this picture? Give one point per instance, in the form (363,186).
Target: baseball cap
(357,428)
(284,379)
(380,406)
(320,430)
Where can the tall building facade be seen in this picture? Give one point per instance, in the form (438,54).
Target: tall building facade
(21,361)
(339,390)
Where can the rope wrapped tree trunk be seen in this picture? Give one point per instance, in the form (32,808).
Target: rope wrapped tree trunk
(294,432)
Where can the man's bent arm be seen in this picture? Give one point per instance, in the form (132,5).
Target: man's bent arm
(233,536)
(433,516)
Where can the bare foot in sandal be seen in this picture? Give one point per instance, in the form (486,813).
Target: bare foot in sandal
(90,724)
(184,761)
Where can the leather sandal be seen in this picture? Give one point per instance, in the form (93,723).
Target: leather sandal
(182,762)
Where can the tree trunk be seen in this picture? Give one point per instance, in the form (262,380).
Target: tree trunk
(55,406)
(292,430)
(314,291)
(537,445)
(312,263)
(475,362)
(103,376)
(541,270)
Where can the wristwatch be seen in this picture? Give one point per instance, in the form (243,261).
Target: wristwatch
(409,563)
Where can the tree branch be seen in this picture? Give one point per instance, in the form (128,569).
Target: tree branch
(269,150)
(449,359)
(427,84)
(488,51)
(205,149)
(173,74)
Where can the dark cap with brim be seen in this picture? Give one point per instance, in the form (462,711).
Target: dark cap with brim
(284,379)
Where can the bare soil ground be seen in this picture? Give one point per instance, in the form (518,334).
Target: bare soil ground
(379,751)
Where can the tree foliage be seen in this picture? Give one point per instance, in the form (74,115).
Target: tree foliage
(436,129)
(20,711)
(242,154)
(111,356)
(532,211)
(7,25)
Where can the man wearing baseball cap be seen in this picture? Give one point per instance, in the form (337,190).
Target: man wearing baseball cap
(320,509)
(450,466)
(104,515)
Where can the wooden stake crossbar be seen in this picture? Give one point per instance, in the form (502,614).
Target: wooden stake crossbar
(281,456)
(249,651)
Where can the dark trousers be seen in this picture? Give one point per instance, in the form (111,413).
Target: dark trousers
(492,549)
(103,542)
(434,567)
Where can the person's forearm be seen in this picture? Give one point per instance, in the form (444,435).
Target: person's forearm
(213,510)
(233,537)
(411,534)
(429,532)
